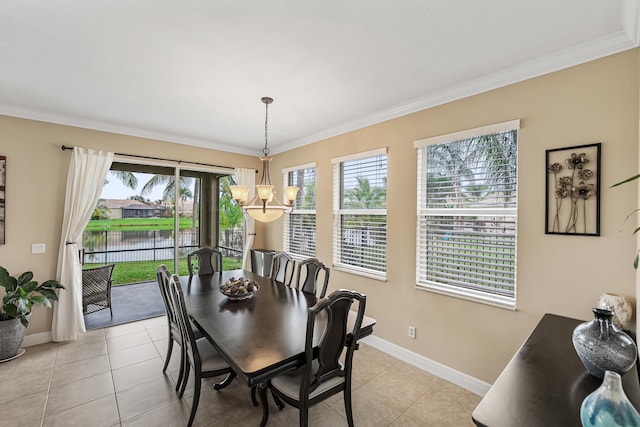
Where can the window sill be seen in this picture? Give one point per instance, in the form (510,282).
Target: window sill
(382,278)
(470,295)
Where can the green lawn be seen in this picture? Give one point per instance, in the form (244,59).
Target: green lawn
(136,224)
(145,271)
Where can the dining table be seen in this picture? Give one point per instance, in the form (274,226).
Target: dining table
(262,336)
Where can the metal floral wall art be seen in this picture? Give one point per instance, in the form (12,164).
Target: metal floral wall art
(573,194)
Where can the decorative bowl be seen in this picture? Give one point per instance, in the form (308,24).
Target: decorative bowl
(239,289)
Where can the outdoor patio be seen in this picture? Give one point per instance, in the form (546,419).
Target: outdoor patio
(130,303)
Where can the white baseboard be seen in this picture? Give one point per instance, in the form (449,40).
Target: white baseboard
(461,379)
(35,339)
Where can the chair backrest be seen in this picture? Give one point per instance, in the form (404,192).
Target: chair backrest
(282,268)
(99,277)
(324,364)
(188,338)
(308,275)
(209,261)
(164,276)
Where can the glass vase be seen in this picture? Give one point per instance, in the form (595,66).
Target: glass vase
(608,405)
(603,347)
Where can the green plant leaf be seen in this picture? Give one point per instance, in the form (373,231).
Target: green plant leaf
(4,277)
(41,300)
(29,287)
(636,259)
(11,310)
(25,277)
(52,284)
(633,178)
(48,293)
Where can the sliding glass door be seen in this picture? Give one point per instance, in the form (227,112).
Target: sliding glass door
(150,215)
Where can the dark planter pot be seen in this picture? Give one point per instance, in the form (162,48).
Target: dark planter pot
(11,336)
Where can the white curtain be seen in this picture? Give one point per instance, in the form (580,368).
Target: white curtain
(87,172)
(247,177)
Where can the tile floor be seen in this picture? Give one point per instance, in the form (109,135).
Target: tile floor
(113,377)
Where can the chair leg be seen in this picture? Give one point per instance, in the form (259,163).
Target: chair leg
(183,363)
(168,357)
(265,404)
(347,406)
(225,382)
(196,398)
(304,416)
(187,368)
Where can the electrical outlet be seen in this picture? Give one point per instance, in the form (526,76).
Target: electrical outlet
(412,331)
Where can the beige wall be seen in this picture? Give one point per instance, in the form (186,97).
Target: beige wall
(594,102)
(36,181)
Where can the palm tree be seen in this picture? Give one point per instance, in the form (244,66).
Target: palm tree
(449,171)
(363,196)
(497,154)
(128,178)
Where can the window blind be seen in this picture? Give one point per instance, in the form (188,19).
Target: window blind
(299,231)
(360,215)
(467,215)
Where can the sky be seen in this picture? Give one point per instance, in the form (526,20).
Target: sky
(116,190)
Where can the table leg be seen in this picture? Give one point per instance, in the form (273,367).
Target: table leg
(262,388)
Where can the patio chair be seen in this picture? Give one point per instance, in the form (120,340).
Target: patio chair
(96,289)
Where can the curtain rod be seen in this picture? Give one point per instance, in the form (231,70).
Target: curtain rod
(65,147)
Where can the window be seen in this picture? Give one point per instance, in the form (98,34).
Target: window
(300,226)
(360,213)
(134,223)
(467,214)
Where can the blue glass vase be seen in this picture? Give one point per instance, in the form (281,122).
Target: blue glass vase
(608,406)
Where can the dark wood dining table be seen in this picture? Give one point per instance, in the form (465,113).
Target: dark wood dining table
(260,337)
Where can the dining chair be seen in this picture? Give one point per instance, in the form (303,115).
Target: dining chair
(209,261)
(164,276)
(199,353)
(282,268)
(308,275)
(323,374)
(96,289)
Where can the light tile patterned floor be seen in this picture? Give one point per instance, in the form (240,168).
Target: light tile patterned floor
(113,377)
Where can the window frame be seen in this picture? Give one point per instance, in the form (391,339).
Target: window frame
(339,212)
(481,296)
(286,238)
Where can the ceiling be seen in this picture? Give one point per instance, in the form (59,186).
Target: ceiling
(193,71)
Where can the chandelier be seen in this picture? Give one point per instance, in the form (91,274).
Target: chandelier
(267,206)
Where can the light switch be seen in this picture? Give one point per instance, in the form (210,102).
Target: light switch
(38,248)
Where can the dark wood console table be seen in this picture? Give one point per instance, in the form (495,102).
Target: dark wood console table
(545,383)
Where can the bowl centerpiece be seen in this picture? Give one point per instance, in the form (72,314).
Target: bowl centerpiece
(239,289)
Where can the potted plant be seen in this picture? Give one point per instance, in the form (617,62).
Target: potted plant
(21,294)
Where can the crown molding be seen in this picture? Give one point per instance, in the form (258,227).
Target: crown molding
(79,122)
(605,46)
